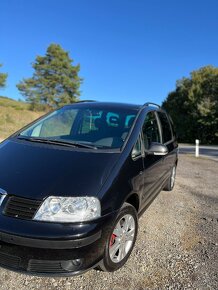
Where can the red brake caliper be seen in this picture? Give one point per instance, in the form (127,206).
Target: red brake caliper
(112,240)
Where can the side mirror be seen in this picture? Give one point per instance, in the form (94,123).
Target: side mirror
(157,149)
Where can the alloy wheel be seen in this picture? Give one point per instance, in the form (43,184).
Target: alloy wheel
(122,238)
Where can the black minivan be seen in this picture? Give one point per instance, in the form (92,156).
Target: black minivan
(74,183)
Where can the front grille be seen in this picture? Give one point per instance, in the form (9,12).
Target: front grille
(23,208)
(9,261)
(38,266)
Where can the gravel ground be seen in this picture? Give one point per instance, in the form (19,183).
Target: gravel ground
(177,244)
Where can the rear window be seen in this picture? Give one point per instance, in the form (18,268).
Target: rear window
(166,129)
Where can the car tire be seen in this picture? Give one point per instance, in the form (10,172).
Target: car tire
(171,180)
(121,239)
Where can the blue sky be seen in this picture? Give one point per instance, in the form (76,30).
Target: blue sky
(129,50)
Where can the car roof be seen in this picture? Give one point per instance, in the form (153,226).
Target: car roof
(105,105)
(111,105)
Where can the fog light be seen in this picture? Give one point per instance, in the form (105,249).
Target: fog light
(72,265)
(77,262)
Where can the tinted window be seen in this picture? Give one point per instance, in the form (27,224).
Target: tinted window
(102,127)
(150,130)
(166,130)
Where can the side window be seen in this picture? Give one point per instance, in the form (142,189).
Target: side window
(166,130)
(150,130)
(137,149)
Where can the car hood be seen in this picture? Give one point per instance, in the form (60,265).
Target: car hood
(35,170)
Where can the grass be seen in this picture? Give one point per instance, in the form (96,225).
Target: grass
(14,115)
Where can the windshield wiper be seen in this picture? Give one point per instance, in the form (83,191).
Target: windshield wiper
(47,141)
(82,145)
(58,142)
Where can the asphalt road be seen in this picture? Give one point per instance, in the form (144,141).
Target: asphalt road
(210,152)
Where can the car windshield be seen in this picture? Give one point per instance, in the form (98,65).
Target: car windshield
(83,125)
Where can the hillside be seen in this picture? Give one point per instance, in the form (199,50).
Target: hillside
(14,115)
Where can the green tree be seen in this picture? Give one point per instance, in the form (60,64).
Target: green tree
(194,106)
(3,78)
(55,81)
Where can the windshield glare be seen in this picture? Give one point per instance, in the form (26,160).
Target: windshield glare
(101,127)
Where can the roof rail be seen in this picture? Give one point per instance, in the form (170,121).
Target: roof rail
(86,101)
(148,103)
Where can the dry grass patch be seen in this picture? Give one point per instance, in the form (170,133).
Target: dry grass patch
(14,115)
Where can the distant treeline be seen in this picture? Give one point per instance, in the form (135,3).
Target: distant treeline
(193,105)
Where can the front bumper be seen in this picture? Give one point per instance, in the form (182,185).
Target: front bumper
(49,244)
(46,256)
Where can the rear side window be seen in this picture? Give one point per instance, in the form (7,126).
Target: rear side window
(166,129)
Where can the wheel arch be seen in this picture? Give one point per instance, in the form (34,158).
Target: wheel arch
(133,199)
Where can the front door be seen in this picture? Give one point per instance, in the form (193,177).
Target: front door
(153,164)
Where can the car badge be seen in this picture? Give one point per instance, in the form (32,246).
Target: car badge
(3,194)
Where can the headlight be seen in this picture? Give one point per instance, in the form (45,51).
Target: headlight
(69,209)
